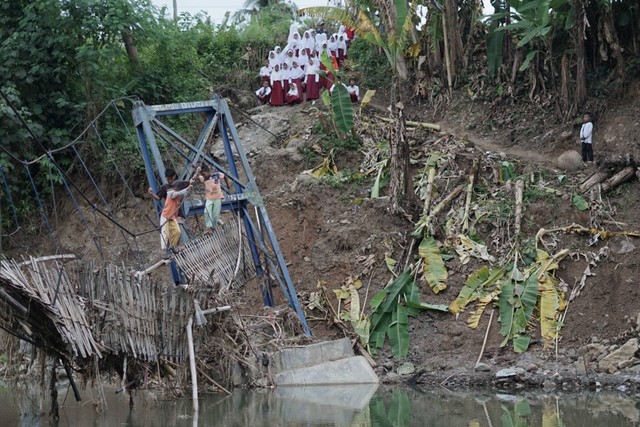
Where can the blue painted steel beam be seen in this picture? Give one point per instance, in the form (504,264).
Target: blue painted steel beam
(190,146)
(209,126)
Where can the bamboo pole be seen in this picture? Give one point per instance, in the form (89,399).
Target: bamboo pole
(486,336)
(138,274)
(440,206)
(472,183)
(447,57)
(410,123)
(519,192)
(192,364)
(429,190)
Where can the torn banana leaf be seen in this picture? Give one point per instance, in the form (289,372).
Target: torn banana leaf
(366,99)
(474,320)
(468,248)
(435,273)
(427,306)
(475,287)
(391,263)
(552,299)
(326,168)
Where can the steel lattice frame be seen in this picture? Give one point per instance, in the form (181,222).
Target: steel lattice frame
(265,250)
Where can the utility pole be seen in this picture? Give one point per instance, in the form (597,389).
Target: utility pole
(175,10)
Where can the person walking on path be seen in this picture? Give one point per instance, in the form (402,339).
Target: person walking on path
(586,137)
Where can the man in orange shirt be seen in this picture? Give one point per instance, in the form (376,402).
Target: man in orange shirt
(169,227)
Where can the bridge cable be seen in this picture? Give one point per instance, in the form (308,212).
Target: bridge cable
(14,211)
(109,210)
(65,178)
(42,210)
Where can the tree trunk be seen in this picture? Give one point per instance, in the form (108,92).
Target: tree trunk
(564,83)
(581,78)
(452,35)
(132,49)
(399,183)
(611,37)
(175,10)
(447,54)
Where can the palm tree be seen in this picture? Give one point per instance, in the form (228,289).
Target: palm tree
(252,7)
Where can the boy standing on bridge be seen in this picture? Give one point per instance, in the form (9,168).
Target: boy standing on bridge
(586,136)
(172,192)
(213,196)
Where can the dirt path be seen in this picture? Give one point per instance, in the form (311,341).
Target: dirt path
(500,146)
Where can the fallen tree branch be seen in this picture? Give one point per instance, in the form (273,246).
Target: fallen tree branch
(212,381)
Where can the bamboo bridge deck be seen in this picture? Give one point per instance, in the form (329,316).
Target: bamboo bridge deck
(80,310)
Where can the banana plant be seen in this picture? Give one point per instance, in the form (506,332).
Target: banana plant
(533,23)
(392,307)
(387,24)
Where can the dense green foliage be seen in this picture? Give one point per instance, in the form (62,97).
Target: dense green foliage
(63,61)
(369,65)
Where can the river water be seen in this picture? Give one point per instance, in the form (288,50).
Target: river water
(348,406)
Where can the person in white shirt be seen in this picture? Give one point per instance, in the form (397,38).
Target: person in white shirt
(354,91)
(265,72)
(586,136)
(337,82)
(308,42)
(264,93)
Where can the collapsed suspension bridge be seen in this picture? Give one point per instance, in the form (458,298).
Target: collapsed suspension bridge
(81,310)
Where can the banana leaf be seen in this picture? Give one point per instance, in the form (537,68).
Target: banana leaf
(521,343)
(342,108)
(474,320)
(435,273)
(393,291)
(379,330)
(398,332)
(366,99)
(472,289)
(426,306)
(400,409)
(507,309)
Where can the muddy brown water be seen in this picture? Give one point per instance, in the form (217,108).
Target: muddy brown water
(349,406)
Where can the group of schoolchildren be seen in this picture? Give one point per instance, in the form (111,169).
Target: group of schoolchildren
(292,75)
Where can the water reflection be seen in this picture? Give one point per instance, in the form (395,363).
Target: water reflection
(350,406)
